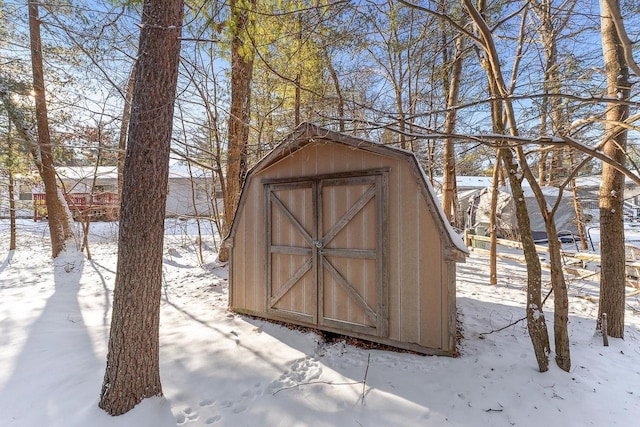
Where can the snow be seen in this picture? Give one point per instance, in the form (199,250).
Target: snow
(86,173)
(220,368)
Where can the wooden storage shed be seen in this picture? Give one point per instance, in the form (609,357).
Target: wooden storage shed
(346,235)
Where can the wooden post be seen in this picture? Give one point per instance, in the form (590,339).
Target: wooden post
(605,338)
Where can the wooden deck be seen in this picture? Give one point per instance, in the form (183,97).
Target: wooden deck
(83,206)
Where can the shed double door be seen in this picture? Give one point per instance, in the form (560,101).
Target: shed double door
(326,247)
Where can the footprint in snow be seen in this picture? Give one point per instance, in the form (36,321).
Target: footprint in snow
(207,402)
(190,414)
(213,420)
(301,371)
(238,409)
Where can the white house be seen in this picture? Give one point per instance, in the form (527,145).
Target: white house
(190,189)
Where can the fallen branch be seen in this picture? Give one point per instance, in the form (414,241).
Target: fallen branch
(364,381)
(517,321)
(495,410)
(314,382)
(504,327)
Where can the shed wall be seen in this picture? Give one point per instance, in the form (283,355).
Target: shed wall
(419,296)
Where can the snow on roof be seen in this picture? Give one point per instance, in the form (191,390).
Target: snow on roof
(546,190)
(593,181)
(474,181)
(79,173)
(182,171)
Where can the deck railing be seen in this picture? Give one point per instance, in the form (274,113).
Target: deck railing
(97,207)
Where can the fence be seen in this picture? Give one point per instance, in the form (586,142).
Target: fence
(575,262)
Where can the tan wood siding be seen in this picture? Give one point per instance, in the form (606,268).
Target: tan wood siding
(349,224)
(419,285)
(289,226)
(395,253)
(253,255)
(409,258)
(430,276)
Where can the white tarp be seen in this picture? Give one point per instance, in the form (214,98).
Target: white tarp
(479,208)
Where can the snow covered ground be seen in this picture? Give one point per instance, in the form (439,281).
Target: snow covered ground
(222,369)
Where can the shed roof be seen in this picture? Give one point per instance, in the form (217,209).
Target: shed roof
(308,133)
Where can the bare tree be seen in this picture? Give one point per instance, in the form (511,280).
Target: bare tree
(242,55)
(133,371)
(498,89)
(12,202)
(612,278)
(60,221)
(449,187)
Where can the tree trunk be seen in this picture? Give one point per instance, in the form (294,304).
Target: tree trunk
(124,128)
(86,221)
(297,117)
(60,223)
(493,229)
(132,372)
(535,316)
(449,190)
(12,202)
(336,84)
(612,277)
(552,85)
(12,213)
(242,55)
(498,90)
(553,109)
(577,207)
(560,298)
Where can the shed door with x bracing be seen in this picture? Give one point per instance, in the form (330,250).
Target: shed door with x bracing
(326,251)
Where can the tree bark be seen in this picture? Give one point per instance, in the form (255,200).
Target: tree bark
(242,55)
(60,223)
(12,202)
(336,84)
(553,109)
(535,316)
(612,277)
(132,372)
(493,229)
(558,283)
(450,190)
(497,89)
(552,106)
(560,298)
(124,128)
(577,207)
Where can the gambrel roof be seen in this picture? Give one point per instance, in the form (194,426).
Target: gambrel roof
(308,133)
